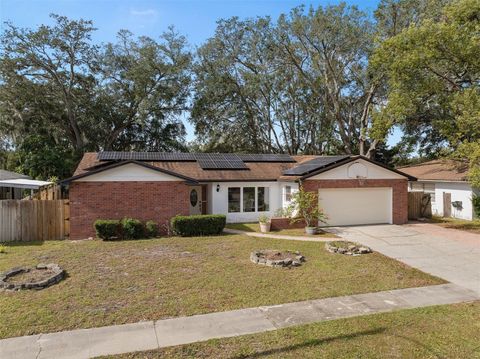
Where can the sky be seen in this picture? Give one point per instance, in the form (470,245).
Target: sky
(195,19)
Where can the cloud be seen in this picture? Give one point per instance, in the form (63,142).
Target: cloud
(147,12)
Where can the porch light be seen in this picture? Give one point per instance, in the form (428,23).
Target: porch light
(218,188)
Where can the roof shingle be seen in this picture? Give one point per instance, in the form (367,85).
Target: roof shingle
(441,170)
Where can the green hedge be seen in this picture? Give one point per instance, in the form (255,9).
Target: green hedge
(127,228)
(151,229)
(132,228)
(108,229)
(201,225)
(476,205)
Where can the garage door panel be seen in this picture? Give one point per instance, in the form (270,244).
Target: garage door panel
(351,206)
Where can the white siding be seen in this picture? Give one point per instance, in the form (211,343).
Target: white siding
(358,169)
(130,172)
(460,191)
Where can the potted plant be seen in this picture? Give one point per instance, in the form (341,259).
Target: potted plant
(305,208)
(264,223)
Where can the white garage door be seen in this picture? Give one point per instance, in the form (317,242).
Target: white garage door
(349,206)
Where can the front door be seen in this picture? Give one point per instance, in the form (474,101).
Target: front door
(195,200)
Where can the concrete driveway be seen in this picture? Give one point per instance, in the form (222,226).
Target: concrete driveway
(447,253)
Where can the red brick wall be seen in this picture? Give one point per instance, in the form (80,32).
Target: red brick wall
(278,223)
(399,189)
(158,201)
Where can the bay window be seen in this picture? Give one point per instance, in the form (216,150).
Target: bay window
(233,199)
(248,199)
(263,199)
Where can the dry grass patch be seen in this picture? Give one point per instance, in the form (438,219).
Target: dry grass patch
(461,224)
(120,282)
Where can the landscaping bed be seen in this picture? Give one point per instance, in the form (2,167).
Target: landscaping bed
(255,227)
(449,331)
(129,281)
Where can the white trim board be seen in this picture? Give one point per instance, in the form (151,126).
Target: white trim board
(130,172)
(358,169)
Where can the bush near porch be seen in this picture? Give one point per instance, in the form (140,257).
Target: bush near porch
(198,225)
(128,281)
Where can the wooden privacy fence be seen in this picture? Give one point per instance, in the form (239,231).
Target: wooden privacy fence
(419,205)
(52,191)
(35,220)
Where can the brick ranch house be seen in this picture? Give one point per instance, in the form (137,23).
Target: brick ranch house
(157,186)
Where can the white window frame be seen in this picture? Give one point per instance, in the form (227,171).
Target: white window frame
(241,199)
(287,201)
(256,198)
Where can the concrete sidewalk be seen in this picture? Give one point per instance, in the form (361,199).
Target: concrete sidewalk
(88,343)
(279,236)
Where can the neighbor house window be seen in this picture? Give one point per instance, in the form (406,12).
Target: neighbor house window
(233,199)
(263,199)
(249,199)
(288,193)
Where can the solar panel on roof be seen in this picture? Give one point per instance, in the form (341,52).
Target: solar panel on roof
(221,164)
(313,165)
(265,157)
(180,156)
(145,156)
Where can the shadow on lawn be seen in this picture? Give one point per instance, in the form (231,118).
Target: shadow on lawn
(242,227)
(310,343)
(314,342)
(22,244)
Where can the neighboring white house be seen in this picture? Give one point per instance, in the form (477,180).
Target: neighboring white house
(446,182)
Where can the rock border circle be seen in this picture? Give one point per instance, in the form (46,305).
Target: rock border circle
(295,260)
(350,249)
(57,276)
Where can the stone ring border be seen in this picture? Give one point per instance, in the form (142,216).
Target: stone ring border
(296,259)
(57,276)
(349,249)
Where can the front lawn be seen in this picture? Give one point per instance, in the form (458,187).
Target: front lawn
(461,224)
(129,281)
(255,227)
(449,331)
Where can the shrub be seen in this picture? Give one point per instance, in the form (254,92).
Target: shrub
(108,229)
(264,219)
(200,225)
(151,229)
(3,249)
(305,203)
(132,228)
(476,205)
